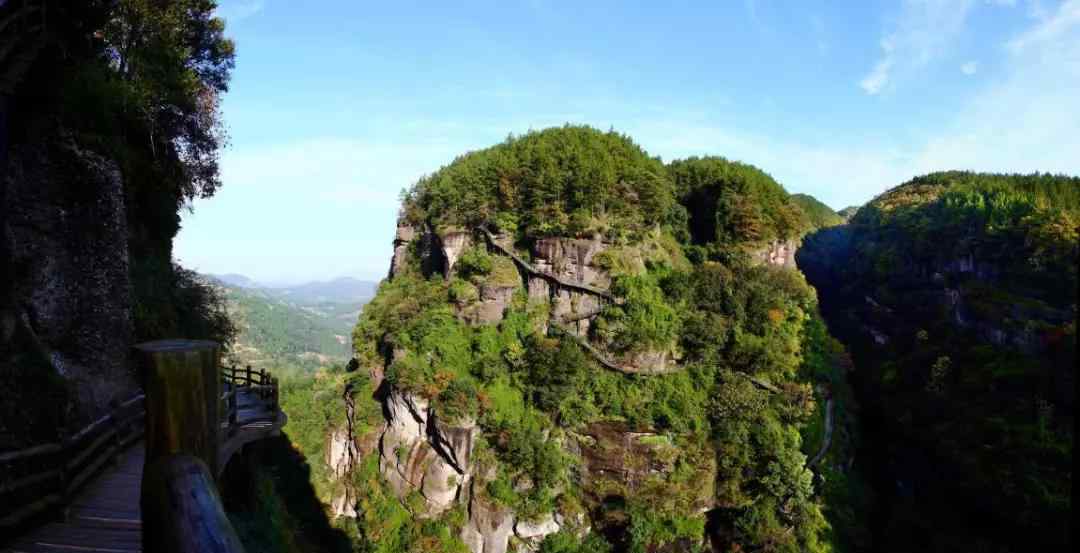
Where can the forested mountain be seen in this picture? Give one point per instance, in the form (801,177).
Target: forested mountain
(957,295)
(819,214)
(566,357)
(300,327)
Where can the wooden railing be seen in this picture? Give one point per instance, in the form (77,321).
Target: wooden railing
(234,380)
(181,506)
(45,476)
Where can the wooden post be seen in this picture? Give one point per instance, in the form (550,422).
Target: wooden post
(182,510)
(183,398)
(262,382)
(65,478)
(234,411)
(274,393)
(248,379)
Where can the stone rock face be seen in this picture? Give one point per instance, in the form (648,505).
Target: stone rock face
(492,304)
(779,252)
(569,259)
(534,532)
(417,452)
(402,238)
(614,453)
(341,452)
(68,242)
(453,242)
(489,527)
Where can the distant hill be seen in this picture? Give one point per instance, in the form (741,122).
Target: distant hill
(233,279)
(848,212)
(819,214)
(299,327)
(345,289)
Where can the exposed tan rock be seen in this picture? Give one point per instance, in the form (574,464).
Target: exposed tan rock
(489,528)
(533,532)
(404,236)
(453,241)
(779,252)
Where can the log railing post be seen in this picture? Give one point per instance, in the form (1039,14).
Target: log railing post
(183,399)
(273,392)
(182,510)
(247,378)
(234,411)
(63,477)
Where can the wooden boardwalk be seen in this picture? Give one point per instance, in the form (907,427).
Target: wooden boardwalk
(104,517)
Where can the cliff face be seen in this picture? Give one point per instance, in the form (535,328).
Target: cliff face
(556,357)
(67,245)
(952,294)
(421,452)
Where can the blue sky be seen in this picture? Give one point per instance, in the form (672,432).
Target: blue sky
(334,107)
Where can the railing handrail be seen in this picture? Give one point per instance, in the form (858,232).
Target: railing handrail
(59,469)
(68,464)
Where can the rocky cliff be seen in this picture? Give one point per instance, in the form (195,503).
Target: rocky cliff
(67,245)
(558,359)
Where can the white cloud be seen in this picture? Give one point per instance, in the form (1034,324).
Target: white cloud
(236,10)
(1022,120)
(923,32)
(878,78)
(1050,28)
(969,68)
(1026,120)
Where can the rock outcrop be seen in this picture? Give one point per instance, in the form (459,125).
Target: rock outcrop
(68,247)
(780,253)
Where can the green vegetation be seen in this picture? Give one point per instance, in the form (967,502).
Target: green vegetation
(277,334)
(730,203)
(818,214)
(972,281)
(571,181)
(1025,225)
(719,320)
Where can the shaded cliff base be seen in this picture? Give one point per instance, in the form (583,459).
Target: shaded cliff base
(273,505)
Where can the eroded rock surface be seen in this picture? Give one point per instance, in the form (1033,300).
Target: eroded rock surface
(68,241)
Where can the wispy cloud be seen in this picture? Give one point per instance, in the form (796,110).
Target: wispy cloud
(1026,120)
(969,68)
(237,10)
(921,33)
(1051,28)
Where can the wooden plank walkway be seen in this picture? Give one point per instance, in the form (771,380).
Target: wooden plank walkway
(105,517)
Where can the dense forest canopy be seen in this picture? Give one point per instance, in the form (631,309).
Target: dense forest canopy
(956,292)
(1025,224)
(571,181)
(732,203)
